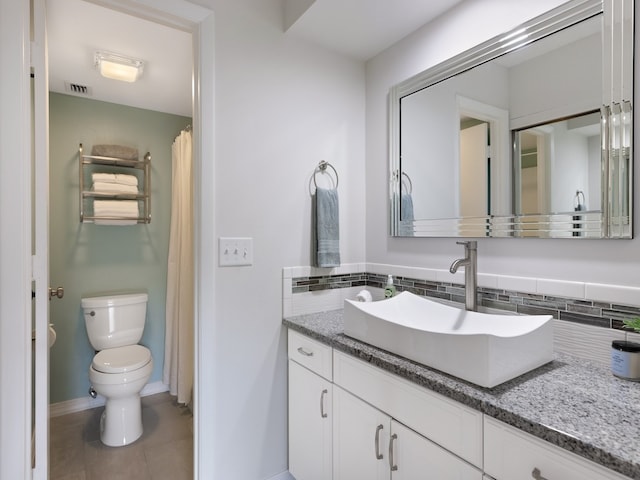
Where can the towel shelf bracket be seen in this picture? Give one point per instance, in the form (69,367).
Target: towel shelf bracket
(87,196)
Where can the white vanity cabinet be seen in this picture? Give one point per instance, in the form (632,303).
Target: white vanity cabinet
(511,453)
(310,408)
(350,420)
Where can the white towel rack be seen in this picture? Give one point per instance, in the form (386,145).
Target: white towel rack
(86,195)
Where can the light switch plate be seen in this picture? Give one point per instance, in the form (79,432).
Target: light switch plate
(235,251)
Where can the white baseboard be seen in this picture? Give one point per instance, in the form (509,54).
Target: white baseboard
(86,403)
(282,476)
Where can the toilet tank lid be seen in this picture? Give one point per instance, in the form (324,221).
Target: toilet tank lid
(114,300)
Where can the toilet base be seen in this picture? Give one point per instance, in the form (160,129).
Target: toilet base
(121,421)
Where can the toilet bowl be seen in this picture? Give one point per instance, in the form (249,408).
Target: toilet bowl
(121,368)
(120,384)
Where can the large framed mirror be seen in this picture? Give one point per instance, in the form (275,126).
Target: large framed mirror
(526,135)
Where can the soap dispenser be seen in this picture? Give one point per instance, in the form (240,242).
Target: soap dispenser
(390,288)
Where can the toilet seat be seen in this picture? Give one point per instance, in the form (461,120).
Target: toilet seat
(121,359)
(123,379)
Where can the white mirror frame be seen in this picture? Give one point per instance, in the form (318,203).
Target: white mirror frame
(615,219)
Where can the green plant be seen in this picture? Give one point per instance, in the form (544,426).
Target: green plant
(633,324)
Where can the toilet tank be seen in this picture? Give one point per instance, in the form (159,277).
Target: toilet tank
(115,320)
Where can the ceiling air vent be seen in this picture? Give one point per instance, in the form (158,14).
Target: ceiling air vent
(78,89)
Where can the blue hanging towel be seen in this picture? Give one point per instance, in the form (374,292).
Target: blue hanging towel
(327,228)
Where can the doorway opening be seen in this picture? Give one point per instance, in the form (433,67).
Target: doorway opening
(68,323)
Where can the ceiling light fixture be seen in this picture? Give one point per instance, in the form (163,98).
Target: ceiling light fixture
(118,67)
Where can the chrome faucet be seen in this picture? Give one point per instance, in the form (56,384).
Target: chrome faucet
(470,264)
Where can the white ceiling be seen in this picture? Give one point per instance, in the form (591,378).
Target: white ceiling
(364,28)
(76,29)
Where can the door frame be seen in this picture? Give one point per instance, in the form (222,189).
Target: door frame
(40,235)
(15,214)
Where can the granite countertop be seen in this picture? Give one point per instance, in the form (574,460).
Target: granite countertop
(572,403)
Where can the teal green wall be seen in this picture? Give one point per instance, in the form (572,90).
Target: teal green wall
(90,259)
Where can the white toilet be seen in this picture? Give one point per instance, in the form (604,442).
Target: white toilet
(121,368)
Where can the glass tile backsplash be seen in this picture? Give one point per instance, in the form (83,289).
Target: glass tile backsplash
(586,312)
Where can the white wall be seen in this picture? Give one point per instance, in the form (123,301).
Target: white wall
(603,261)
(281,107)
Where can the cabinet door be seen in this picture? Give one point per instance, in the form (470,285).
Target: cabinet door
(310,424)
(360,439)
(413,457)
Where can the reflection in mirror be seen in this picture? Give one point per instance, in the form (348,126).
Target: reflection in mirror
(503,139)
(557,171)
(556,160)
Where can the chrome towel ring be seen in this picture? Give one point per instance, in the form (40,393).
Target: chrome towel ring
(322,167)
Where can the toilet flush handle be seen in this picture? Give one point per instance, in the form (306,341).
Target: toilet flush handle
(56,292)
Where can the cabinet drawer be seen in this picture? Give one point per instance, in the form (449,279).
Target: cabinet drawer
(448,423)
(510,453)
(310,353)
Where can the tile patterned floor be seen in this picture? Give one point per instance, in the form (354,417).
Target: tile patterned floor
(165,450)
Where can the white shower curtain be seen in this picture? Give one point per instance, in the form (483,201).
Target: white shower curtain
(178,352)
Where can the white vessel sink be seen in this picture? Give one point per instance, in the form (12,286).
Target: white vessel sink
(481,348)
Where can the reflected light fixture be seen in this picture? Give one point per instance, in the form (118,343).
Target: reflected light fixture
(118,67)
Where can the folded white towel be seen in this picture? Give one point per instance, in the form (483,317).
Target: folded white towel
(123,179)
(115,208)
(115,212)
(114,188)
(119,178)
(103,177)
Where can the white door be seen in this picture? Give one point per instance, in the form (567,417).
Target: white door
(413,457)
(15,241)
(310,417)
(360,439)
(40,197)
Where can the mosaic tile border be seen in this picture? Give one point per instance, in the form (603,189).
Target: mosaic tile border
(581,311)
